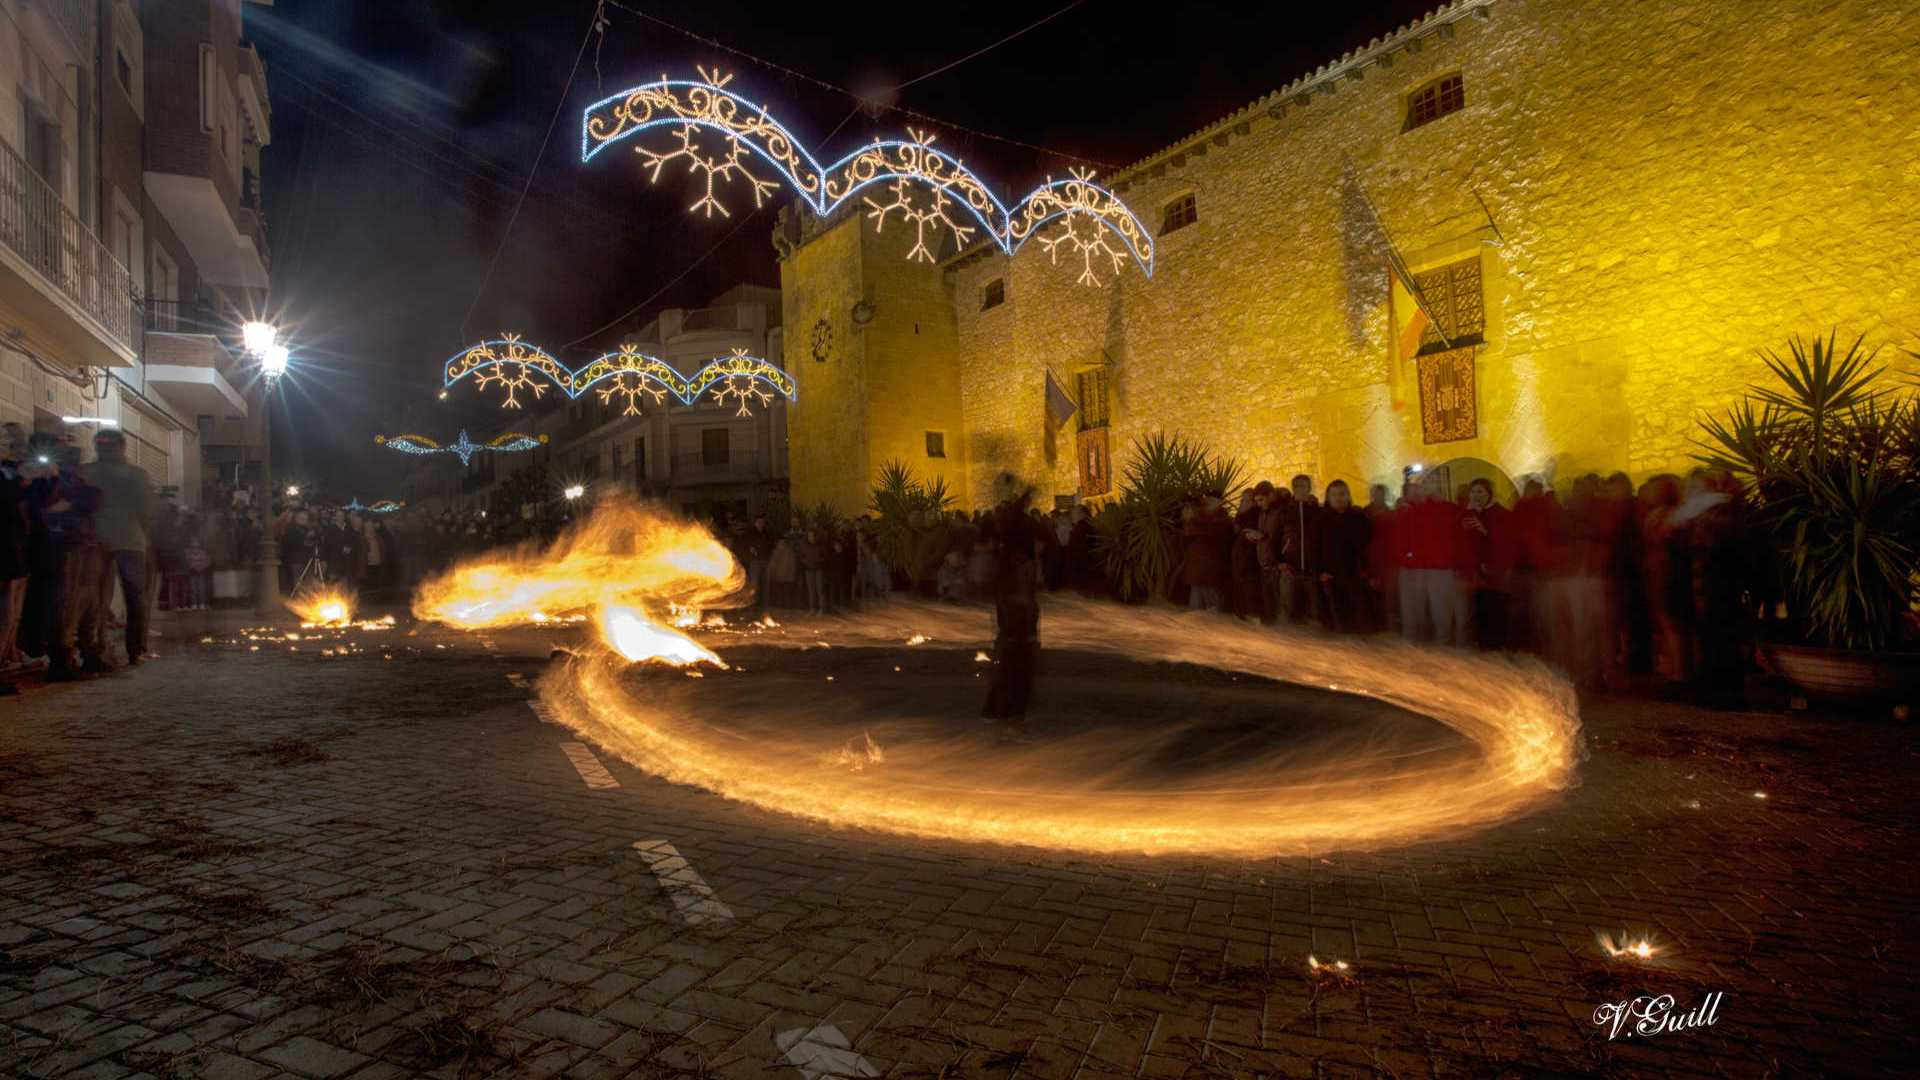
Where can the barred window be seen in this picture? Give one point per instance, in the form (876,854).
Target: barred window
(1092,388)
(994,294)
(1180,213)
(1435,100)
(1453,296)
(937,444)
(715,449)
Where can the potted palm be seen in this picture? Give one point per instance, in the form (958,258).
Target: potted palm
(1830,456)
(1138,531)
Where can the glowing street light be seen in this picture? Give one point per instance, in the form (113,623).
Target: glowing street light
(258,337)
(574,491)
(273,361)
(293,489)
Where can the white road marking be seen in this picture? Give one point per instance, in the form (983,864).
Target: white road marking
(542,710)
(683,884)
(822,1052)
(588,766)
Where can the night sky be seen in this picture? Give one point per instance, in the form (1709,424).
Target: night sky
(404,131)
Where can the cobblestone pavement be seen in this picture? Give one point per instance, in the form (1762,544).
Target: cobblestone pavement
(236,863)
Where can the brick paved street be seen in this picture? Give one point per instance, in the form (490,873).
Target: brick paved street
(231,863)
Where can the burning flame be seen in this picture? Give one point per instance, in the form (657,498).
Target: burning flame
(638,638)
(623,562)
(1639,949)
(328,605)
(1521,718)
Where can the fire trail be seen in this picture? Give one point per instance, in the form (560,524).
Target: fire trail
(636,570)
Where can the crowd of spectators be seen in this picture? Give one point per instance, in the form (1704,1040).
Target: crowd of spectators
(1609,583)
(71,534)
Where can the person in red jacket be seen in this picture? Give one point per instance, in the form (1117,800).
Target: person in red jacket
(1529,559)
(1208,532)
(1429,535)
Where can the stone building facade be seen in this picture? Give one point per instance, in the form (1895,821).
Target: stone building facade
(1608,208)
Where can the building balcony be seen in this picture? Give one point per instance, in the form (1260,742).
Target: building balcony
(226,248)
(253,92)
(189,366)
(691,471)
(253,226)
(59,285)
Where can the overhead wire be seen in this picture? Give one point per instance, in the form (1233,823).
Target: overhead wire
(866,101)
(695,264)
(593,25)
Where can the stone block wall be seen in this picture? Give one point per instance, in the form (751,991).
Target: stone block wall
(1655,191)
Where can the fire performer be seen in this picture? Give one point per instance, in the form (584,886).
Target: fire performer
(1016,608)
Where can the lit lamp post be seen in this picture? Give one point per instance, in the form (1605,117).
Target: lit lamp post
(259,340)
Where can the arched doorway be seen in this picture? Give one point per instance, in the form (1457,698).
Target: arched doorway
(1450,479)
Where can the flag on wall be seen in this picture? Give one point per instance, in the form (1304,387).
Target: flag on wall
(1059,402)
(1409,318)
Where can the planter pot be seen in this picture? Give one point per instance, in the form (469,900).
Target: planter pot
(1846,675)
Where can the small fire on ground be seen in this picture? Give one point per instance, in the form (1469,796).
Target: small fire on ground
(328,605)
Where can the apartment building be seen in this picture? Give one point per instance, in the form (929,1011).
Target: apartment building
(132,237)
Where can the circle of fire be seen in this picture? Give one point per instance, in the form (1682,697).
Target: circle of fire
(1521,718)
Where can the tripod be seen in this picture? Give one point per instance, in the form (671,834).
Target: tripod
(314,567)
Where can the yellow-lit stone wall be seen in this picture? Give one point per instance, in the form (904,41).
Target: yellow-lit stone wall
(826,425)
(1671,186)
(886,382)
(913,373)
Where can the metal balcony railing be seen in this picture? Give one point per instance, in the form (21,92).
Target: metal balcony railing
(37,226)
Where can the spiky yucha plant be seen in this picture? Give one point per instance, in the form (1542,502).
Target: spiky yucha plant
(1831,459)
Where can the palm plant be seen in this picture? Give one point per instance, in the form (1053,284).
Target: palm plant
(1138,533)
(896,497)
(1832,462)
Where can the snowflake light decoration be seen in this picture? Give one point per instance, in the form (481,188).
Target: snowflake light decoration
(739,377)
(463,447)
(728,168)
(915,161)
(626,375)
(515,366)
(1098,226)
(383,506)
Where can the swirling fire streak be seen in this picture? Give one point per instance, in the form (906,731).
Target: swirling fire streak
(1522,719)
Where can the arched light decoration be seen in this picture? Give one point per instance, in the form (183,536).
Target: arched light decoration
(462,447)
(629,375)
(511,363)
(923,185)
(383,506)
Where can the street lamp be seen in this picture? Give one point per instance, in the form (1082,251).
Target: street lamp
(293,491)
(258,337)
(261,341)
(574,492)
(273,362)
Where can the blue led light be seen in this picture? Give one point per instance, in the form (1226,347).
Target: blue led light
(689,104)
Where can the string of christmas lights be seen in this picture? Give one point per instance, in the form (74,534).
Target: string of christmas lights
(462,447)
(382,506)
(1094,223)
(627,375)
